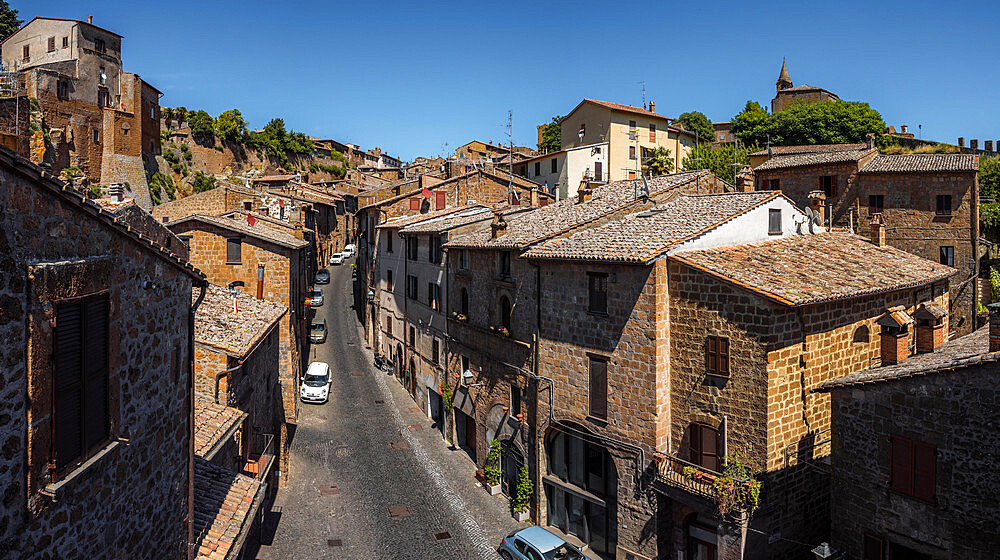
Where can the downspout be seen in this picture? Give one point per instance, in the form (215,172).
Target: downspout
(225,373)
(191,417)
(975,250)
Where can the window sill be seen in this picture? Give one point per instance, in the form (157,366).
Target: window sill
(53,489)
(774,232)
(597,313)
(234,262)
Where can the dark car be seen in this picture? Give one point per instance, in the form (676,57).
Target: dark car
(322,277)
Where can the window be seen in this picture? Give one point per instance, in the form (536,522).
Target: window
(774,221)
(555,165)
(876,204)
(631,152)
(598,171)
(412,246)
(439,200)
(717,355)
(828,184)
(912,467)
(583,126)
(434,296)
(99,46)
(598,387)
(861,334)
(948,256)
(388,325)
(80,379)
(97,136)
(233,251)
(774,185)
(598,292)
(415,203)
(388,241)
(631,174)
(631,126)
(504,263)
(705,446)
(103,97)
(872,548)
(504,312)
(435,351)
(411,287)
(944,205)
(65,42)
(62,89)
(465,364)
(413,336)
(652,132)
(515,400)
(388,280)
(538,168)
(463,259)
(185,239)
(26,53)
(463,307)
(435,250)
(52,44)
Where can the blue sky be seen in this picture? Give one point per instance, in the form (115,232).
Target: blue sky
(411,78)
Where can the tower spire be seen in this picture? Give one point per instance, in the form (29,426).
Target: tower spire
(784,81)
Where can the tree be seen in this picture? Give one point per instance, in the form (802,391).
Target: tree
(230,125)
(202,125)
(804,123)
(8,20)
(201,182)
(718,160)
(989,177)
(695,121)
(659,161)
(551,136)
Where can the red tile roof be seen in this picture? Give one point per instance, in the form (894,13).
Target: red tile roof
(810,149)
(917,163)
(212,422)
(813,158)
(224,504)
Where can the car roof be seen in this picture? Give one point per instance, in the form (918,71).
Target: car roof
(318,368)
(539,538)
(319,322)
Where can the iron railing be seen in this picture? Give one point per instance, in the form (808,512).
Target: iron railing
(685,475)
(261,454)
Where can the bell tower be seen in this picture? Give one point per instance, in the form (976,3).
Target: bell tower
(784,81)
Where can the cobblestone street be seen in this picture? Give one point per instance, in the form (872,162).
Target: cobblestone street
(370,476)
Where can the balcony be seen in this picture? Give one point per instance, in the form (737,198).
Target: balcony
(674,472)
(260,456)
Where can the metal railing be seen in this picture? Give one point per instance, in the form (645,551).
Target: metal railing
(260,456)
(685,475)
(814,449)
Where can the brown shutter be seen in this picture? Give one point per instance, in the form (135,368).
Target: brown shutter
(710,448)
(52,44)
(924,467)
(901,465)
(233,250)
(415,203)
(872,548)
(711,354)
(723,355)
(67,384)
(695,444)
(833,185)
(95,363)
(439,200)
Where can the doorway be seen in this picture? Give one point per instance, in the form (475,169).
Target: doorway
(435,409)
(511,461)
(465,433)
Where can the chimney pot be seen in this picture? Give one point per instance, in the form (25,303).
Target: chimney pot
(961,142)
(585,194)
(499,226)
(931,328)
(817,202)
(90,19)
(895,335)
(878,230)
(988,145)
(902,128)
(652,106)
(974,143)
(870,140)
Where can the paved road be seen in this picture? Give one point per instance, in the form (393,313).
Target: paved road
(381,454)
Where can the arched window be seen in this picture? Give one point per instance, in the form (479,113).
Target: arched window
(464,303)
(505,312)
(861,334)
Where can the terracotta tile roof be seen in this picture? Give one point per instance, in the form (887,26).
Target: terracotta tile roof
(967,351)
(626,108)
(526,228)
(807,87)
(258,230)
(224,504)
(495,173)
(212,422)
(403,221)
(911,163)
(217,325)
(811,149)
(814,158)
(468,215)
(274,178)
(644,235)
(808,269)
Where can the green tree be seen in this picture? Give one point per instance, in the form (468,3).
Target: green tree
(989,177)
(8,20)
(231,125)
(804,123)
(659,161)
(202,125)
(718,160)
(695,121)
(551,137)
(751,123)
(201,182)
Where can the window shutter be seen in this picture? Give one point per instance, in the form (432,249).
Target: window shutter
(710,448)
(95,363)
(924,467)
(872,548)
(695,444)
(711,354)
(52,44)
(723,355)
(415,203)
(439,200)
(233,250)
(900,465)
(599,388)
(67,384)
(833,185)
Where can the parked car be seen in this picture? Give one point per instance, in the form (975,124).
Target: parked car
(535,543)
(314,298)
(337,258)
(316,383)
(349,250)
(322,277)
(317,331)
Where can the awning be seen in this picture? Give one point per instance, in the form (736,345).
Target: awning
(463,402)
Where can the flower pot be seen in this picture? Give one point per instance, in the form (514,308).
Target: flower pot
(522,516)
(494,490)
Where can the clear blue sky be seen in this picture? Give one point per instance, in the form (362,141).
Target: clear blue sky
(411,77)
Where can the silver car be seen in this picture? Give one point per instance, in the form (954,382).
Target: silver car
(314,298)
(535,543)
(317,332)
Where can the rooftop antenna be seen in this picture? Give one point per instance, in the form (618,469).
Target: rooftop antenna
(736,164)
(643,84)
(510,152)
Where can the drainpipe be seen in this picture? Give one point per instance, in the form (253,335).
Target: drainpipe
(260,281)
(224,373)
(191,418)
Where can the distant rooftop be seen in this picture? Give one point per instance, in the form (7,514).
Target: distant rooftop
(812,158)
(810,149)
(259,229)
(908,163)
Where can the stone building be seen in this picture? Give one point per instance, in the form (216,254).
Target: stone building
(789,93)
(99,118)
(267,261)
(98,393)
(914,450)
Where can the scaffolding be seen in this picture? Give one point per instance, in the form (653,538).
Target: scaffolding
(11,99)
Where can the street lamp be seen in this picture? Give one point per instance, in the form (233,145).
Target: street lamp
(823,551)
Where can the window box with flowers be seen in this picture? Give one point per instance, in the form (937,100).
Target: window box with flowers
(459,317)
(504,331)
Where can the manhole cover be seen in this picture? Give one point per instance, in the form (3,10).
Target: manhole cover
(415,427)
(442,535)
(332,543)
(379,401)
(399,511)
(328,490)
(399,445)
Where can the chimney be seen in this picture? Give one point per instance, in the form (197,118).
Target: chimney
(534,198)
(895,335)
(585,194)
(90,20)
(878,230)
(870,140)
(745,179)
(994,327)
(961,142)
(817,203)
(499,227)
(974,144)
(931,327)
(298,231)
(989,145)
(902,129)
(652,106)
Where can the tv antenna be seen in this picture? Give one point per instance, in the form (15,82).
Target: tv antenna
(510,152)
(643,84)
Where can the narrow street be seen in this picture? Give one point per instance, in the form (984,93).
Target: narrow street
(371,478)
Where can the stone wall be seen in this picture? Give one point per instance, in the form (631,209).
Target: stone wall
(955,412)
(132,500)
(144,222)
(797,182)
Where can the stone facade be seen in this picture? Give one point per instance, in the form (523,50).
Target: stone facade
(53,247)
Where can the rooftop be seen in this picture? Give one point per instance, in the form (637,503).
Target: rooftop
(908,163)
(807,87)
(530,227)
(403,221)
(812,158)
(274,178)
(258,229)
(234,328)
(212,423)
(810,149)
(970,350)
(817,268)
(223,503)
(468,215)
(644,235)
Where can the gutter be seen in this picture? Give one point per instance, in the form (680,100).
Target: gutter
(210,454)
(191,419)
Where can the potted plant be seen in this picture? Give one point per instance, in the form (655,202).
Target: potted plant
(522,495)
(504,331)
(492,468)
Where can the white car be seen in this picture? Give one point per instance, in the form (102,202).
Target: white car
(349,250)
(337,258)
(316,383)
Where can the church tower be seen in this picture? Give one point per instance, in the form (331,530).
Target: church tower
(784,82)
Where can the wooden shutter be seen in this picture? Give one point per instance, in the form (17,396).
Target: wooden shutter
(924,467)
(833,185)
(598,171)
(68,384)
(872,548)
(95,364)
(723,355)
(598,388)
(439,200)
(652,132)
(712,354)
(695,444)
(709,448)
(415,203)
(52,44)
(901,465)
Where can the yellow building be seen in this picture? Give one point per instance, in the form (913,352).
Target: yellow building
(630,133)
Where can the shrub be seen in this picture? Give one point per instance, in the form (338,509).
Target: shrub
(185,148)
(188,156)
(171,157)
(525,490)
(95,191)
(177,167)
(738,489)
(492,468)
(201,182)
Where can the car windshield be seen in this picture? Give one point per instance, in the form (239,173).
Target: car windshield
(318,327)
(316,294)
(315,380)
(564,552)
